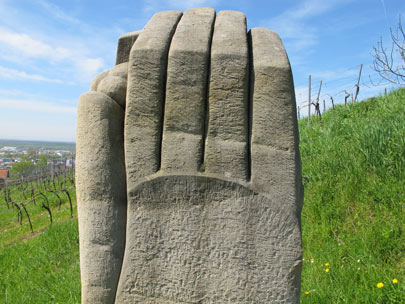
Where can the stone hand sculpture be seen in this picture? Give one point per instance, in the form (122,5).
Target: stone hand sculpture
(188,169)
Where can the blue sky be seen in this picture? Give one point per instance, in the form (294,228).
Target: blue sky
(50,50)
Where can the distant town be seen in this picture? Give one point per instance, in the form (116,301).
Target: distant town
(21,159)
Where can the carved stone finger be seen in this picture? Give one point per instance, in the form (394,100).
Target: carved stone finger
(101,195)
(184,118)
(145,96)
(226,149)
(276,165)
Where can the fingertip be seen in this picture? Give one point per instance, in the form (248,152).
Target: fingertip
(94,84)
(115,87)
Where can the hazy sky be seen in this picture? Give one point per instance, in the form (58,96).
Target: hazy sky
(50,50)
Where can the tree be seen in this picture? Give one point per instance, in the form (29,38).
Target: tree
(390,63)
(22,168)
(42,163)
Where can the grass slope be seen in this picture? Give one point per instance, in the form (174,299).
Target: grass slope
(353,217)
(43,269)
(353,214)
(43,266)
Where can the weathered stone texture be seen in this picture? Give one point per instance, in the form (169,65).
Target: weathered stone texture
(101,195)
(187,71)
(275,159)
(196,239)
(226,149)
(125,43)
(115,87)
(145,95)
(188,169)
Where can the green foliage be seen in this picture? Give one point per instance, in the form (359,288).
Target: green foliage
(353,214)
(27,167)
(42,163)
(22,168)
(43,160)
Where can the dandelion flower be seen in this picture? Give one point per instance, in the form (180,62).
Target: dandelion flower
(327,270)
(395,281)
(307,292)
(326,264)
(380,285)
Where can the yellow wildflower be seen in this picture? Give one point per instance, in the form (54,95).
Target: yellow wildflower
(327,270)
(395,281)
(380,285)
(307,292)
(326,264)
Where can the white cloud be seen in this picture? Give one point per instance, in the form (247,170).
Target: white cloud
(35,105)
(18,94)
(311,8)
(30,47)
(7,73)
(25,47)
(152,6)
(295,24)
(56,12)
(186,4)
(337,74)
(87,68)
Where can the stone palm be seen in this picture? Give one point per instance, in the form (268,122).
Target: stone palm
(188,168)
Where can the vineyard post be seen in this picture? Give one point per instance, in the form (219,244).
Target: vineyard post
(346,97)
(358,84)
(309,99)
(317,99)
(323,106)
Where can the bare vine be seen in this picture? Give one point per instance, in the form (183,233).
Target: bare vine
(390,63)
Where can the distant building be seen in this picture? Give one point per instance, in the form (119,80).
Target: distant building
(4,174)
(9,149)
(70,162)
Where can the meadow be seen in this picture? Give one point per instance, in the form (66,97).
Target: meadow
(352,220)
(353,216)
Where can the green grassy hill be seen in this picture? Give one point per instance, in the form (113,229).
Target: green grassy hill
(353,217)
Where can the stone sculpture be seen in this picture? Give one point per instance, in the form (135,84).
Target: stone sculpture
(188,169)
